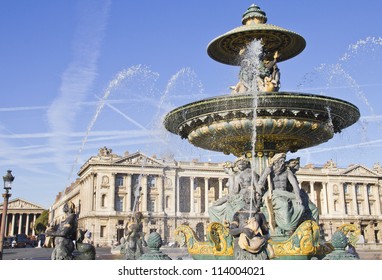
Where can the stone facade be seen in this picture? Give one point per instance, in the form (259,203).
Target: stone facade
(104,195)
(21,216)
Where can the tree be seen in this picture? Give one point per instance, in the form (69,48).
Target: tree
(42,222)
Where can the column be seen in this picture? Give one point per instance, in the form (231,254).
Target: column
(144,193)
(160,184)
(13,225)
(206,195)
(312,195)
(27,225)
(342,198)
(20,223)
(177,210)
(330,202)
(129,190)
(94,192)
(112,192)
(220,188)
(377,199)
(354,199)
(324,209)
(366,206)
(34,222)
(192,205)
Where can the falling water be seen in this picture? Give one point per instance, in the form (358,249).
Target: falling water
(364,45)
(250,68)
(181,86)
(113,84)
(361,62)
(138,186)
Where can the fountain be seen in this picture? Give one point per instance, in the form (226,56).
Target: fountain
(265,214)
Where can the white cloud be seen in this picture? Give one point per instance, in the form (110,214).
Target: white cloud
(79,76)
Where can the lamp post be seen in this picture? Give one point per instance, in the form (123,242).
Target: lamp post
(8,179)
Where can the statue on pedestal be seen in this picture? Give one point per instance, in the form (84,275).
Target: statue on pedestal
(286,205)
(134,237)
(241,180)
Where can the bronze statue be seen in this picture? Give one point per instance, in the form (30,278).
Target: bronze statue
(65,241)
(134,237)
(286,204)
(241,182)
(64,235)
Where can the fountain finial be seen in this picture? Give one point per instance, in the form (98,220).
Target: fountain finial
(254,15)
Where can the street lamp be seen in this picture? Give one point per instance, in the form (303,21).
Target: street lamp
(8,179)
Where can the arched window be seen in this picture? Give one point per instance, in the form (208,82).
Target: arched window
(103,200)
(335,205)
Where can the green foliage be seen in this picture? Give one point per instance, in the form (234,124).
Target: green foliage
(42,222)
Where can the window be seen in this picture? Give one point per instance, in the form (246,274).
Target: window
(359,208)
(371,208)
(369,190)
(102,231)
(119,181)
(119,204)
(103,200)
(336,205)
(357,189)
(151,181)
(151,205)
(346,191)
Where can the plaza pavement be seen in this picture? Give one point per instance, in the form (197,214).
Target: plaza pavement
(104,253)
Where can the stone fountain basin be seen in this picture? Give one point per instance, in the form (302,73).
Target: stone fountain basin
(285,121)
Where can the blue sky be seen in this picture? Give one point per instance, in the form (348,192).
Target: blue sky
(79,75)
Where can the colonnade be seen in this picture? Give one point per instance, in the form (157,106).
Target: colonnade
(20,223)
(154,198)
(344,198)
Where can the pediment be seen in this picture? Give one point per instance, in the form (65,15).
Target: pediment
(139,159)
(359,170)
(22,204)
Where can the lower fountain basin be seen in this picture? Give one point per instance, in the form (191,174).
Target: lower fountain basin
(284,121)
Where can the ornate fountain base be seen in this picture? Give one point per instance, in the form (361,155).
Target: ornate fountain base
(302,244)
(219,244)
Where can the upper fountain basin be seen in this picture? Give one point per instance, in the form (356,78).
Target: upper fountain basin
(285,121)
(227,47)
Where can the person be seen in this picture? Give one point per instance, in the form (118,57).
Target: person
(14,243)
(284,207)
(65,234)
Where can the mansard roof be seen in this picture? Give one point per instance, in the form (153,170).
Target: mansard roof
(19,203)
(359,170)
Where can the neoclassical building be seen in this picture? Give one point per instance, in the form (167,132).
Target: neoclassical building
(21,216)
(170,193)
